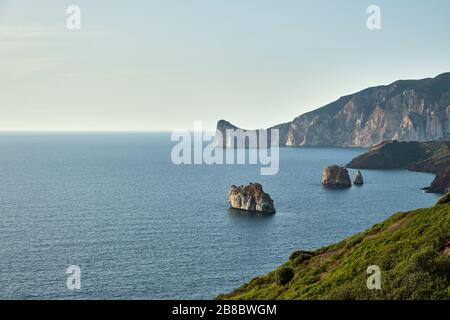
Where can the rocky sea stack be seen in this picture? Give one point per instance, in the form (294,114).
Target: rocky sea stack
(251,198)
(336,177)
(359,181)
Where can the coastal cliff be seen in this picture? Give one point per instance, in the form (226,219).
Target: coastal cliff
(431,157)
(406,110)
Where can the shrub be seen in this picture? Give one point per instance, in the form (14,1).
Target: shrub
(355,241)
(444,199)
(284,275)
(412,249)
(299,257)
(423,261)
(342,293)
(257,281)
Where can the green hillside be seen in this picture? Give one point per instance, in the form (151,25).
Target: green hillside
(412,250)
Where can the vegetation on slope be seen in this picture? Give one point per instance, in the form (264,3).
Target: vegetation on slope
(412,250)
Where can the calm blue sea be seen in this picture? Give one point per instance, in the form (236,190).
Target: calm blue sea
(140,227)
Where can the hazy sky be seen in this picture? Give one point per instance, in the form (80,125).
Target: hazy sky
(160,65)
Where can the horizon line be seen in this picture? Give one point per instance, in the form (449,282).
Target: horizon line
(98,131)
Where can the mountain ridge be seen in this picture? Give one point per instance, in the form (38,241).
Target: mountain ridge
(405,110)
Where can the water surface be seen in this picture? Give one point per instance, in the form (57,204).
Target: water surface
(141,227)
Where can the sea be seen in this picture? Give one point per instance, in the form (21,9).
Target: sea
(139,226)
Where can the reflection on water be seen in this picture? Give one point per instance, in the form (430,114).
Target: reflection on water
(246,215)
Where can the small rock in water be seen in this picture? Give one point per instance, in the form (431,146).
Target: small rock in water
(250,198)
(359,181)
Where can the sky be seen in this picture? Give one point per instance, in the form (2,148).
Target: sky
(161,65)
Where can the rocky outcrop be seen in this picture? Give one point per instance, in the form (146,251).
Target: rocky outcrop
(431,157)
(230,136)
(250,198)
(359,181)
(444,200)
(222,138)
(406,110)
(336,177)
(441,183)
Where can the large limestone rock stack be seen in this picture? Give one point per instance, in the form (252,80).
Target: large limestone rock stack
(250,198)
(336,177)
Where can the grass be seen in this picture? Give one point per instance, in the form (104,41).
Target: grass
(411,248)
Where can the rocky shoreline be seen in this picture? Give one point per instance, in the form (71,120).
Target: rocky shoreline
(428,157)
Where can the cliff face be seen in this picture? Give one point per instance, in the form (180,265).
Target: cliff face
(223,140)
(406,110)
(441,183)
(228,137)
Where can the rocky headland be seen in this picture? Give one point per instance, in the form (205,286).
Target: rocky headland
(251,198)
(441,183)
(431,157)
(406,110)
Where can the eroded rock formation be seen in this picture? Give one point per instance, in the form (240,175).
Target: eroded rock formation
(336,177)
(250,198)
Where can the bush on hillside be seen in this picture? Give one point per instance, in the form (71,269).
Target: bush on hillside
(284,275)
